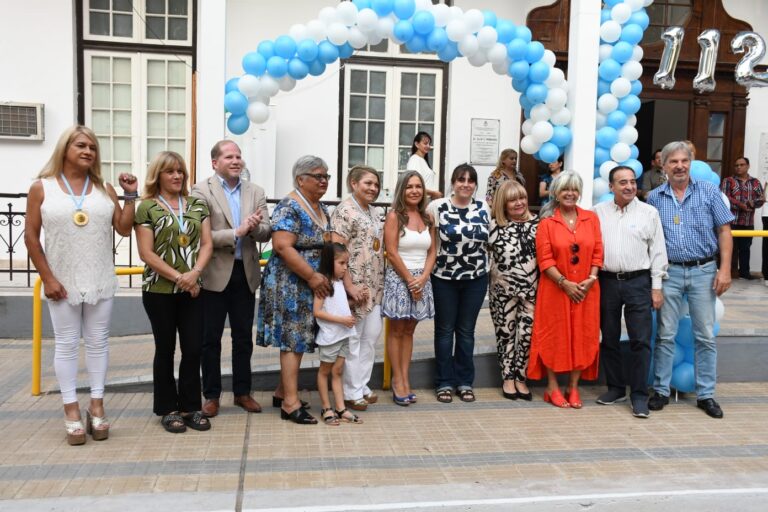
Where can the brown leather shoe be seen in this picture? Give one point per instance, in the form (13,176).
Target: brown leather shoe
(211,407)
(248,403)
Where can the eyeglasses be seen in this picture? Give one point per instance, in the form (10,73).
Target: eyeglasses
(575,257)
(319,177)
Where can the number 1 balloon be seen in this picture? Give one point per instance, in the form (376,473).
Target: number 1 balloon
(673,41)
(709,41)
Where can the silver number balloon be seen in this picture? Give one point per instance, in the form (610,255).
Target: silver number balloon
(745,69)
(709,41)
(673,41)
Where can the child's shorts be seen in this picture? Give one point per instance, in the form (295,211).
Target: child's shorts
(329,353)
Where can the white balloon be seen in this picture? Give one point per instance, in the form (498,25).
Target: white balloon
(487,37)
(600,120)
(549,58)
(385,28)
(719,309)
(621,87)
(635,5)
(497,54)
(299,31)
(610,31)
(621,152)
(600,187)
(327,15)
(632,120)
(561,118)
(646,3)
(374,38)
(556,78)
(542,131)
(346,12)
(620,13)
(257,112)
(607,103)
(269,85)
(529,145)
(457,13)
(286,83)
(556,99)
(338,33)
(637,53)
(632,70)
(478,58)
(605,51)
(469,46)
(456,30)
(527,126)
(474,19)
(316,30)
(606,168)
(500,68)
(356,38)
(628,135)
(540,113)
(249,85)
(423,5)
(367,19)
(442,14)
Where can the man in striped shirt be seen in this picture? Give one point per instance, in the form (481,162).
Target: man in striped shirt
(745,194)
(635,264)
(697,224)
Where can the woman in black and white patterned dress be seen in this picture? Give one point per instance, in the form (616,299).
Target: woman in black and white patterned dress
(514,280)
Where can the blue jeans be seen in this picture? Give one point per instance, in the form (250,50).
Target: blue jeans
(457,304)
(696,283)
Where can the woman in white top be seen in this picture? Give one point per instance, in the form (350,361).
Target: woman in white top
(419,162)
(78,211)
(407,289)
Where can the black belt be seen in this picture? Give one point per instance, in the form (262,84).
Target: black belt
(624,276)
(693,263)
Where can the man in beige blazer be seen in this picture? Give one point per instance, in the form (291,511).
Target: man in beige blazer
(239,221)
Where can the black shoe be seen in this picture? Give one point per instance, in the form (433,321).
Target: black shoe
(657,402)
(709,406)
(612,396)
(747,277)
(300,416)
(640,408)
(278,402)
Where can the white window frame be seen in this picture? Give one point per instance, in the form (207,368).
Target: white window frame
(392,120)
(138,14)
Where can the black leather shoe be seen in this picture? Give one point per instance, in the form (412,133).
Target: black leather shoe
(300,416)
(278,402)
(657,402)
(709,406)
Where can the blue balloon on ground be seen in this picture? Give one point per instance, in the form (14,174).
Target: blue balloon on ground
(537,93)
(235,102)
(423,22)
(605,197)
(327,52)
(538,72)
(297,69)
(516,49)
(519,70)
(683,378)
(637,87)
(700,170)
(307,50)
(679,355)
(345,50)
(630,104)
(609,70)
(534,52)
(266,49)
(254,63)
(631,33)
(716,329)
(606,137)
(603,87)
(404,9)
(238,124)
(561,136)
(489,19)
(403,30)
(231,85)
(688,355)
(382,7)
(416,44)
(602,155)
(684,336)
(622,52)
(285,47)
(449,52)
(505,30)
(437,40)
(548,152)
(316,68)
(616,119)
(524,33)
(277,66)
(640,18)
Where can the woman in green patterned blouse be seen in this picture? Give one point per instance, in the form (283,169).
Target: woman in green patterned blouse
(174,240)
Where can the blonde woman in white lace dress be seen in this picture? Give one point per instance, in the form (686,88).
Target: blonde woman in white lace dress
(77,210)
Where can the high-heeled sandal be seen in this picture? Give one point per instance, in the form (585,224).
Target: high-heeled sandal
(556,398)
(348,417)
(96,426)
(574,399)
(72,427)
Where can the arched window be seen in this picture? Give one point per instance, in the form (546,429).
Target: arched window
(664,14)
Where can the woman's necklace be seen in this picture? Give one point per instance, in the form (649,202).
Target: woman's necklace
(316,217)
(367,212)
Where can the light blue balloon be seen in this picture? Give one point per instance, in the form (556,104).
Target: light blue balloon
(605,197)
(231,85)
(606,137)
(548,152)
(679,355)
(516,49)
(700,170)
(316,68)
(622,51)
(307,50)
(635,165)
(254,63)
(534,52)
(327,52)
(382,7)
(266,49)
(603,87)
(537,93)
(714,178)
(605,15)
(524,33)
(238,124)
(629,104)
(596,172)
(634,152)
(520,85)
(403,30)
(527,114)
(297,69)
(602,155)
(689,355)
(519,70)
(561,136)
(611,3)
(449,52)
(525,102)
(345,50)
(404,9)
(616,119)
(505,31)
(640,18)
(716,329)
(684,336)
(285,47)
(637,87)
(631,33)
(277,66)
(683,378)
(538,72)
(609,70)
(423,22)
(416,44)
(489,19)
(235,102)
(362,4)
(437,39)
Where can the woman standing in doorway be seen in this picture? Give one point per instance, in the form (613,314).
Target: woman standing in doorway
(419,162)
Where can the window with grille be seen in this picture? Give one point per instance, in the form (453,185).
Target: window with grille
(664,14)
(138,21)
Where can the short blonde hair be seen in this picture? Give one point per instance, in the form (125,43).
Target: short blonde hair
(569,180)
(510,190)
(161,162)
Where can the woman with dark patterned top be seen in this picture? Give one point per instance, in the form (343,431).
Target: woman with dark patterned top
(459,281)
(514,280)
(506,170)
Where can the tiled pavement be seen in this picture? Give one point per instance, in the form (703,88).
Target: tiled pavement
(492,442)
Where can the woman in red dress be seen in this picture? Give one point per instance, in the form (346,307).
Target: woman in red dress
(566,327)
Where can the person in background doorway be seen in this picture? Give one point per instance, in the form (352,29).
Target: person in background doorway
(653,177)
(419,162)
(745,195)
(506,170)
(545,180)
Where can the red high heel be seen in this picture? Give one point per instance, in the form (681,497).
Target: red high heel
(574,399)
(556,399)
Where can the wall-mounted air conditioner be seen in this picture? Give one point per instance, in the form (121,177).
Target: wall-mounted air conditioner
(22,121)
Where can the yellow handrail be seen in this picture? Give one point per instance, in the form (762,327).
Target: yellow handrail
(743,233)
